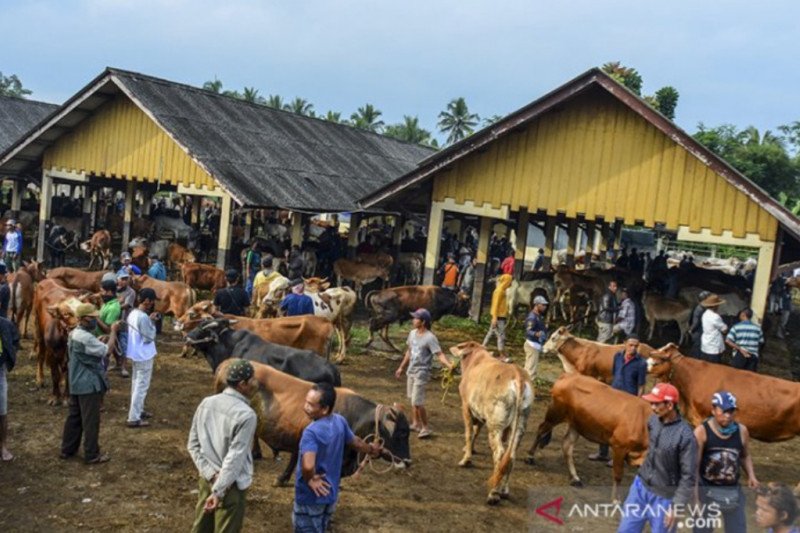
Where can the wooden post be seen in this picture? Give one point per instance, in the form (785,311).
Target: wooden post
(224,243)
(590,242)
(248,226)
(297,229)
(397,234)
(603,248)
(94,199)
(196,202)
(435,223)
(147,202)
(571,242)
(16,197)
(352,237)
(480,268)
(617,238)
(550,228)
(126,222)
(45,203)
(522,242)
(88,205)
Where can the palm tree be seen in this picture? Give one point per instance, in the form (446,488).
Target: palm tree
(275,101)
(334,116)
(233,94)
(456,121)
(491,120)
(366,118)
(750,136)
(301,106)
(409,130)
(213,86)
(250,94)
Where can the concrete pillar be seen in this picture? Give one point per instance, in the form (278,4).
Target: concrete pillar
(522,241)
(550,228)
(130,194)
(572,231)
(766,258)
(435,223)
(86,226)
(603,246)
(297,229)
(45,203)
(617,238)
(352,238)
(480,268)
(248,226)
(196,202)
(17,188)
(147,202)
(224,242)
(590,243)
(397,234)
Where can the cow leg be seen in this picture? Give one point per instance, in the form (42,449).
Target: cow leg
(385,337)
(496,444)
(618,457)
(55,375)
(568,448)
(287,474)
(342,349)
(652,328)
(469,437)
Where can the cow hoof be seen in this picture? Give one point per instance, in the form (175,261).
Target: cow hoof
(576,483)
(465,463)
(493,499)
(505,495)
(279,483)
(530,461)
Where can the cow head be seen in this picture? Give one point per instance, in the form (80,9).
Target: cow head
(468,352)
(660,361)
(198,312)
(64,313)
(394,431)
(206,338)
(462,305)
(315,284)
(35,270)
(557,340)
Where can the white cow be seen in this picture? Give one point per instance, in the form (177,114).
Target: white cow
(519,293)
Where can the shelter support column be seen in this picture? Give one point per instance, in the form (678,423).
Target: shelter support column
(617,238)
(17,188)
(766,258)
(480,268)
(88,206)
(248,226)
(224,243)
(196,201)
(397,233)
(590,242)
(603,248)
(352,237)
(522,241)
(297,229)
(45,202)
(126,222)
(572,234)
(147,202)
(549,242)
(435,223)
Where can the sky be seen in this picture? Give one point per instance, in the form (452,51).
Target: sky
(732,62)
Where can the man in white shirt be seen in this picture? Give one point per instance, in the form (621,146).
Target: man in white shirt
(712,342)
(141,351)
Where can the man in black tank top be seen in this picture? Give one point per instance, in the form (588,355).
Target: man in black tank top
(722,447)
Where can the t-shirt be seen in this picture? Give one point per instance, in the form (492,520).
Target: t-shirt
(297,304)
(232,301)
(628,376)
(507,266)
(450,275)
(263,277)
(327,438)
(422,347)
(141,337)
(747,335)
(109,313)
(157,271)
(12,243)
(711,341)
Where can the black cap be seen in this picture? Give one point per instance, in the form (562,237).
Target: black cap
(295,282)
(231,274)
(147,294)
(109,285)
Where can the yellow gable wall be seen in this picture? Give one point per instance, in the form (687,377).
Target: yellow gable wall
(121,141)
(596,157)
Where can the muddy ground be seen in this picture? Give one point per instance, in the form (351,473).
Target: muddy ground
(150,483)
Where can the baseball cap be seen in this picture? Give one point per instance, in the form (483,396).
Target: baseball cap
(124,255)
(663,392)
(540,300)
(231,274)
(122,274)
(422,314)
(108,285)
(240,370)
(147,294)
(724,400)
(86,309)
(295,282)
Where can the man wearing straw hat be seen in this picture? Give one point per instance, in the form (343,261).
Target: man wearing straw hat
(712,342)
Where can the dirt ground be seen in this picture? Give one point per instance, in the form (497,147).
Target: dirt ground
(150,483)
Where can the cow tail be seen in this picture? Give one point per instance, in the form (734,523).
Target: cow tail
(517,426)
(14,288)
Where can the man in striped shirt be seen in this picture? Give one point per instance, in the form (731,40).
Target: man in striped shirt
(745,338)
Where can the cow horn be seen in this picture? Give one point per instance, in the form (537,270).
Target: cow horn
(232,321)
(210,325)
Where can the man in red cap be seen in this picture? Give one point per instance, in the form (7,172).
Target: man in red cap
(666,479)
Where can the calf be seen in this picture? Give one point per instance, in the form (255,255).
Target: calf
(657,307)
(281,419)
(205,277)
(21,285)
(359,273)
(411,264)
(178,255)
(217,341)
(500,396)
(597,413)
(99,249)
(74,278)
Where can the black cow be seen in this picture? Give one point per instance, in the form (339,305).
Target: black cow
(396,304)
(217,341)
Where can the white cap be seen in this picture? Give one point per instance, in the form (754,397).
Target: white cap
(540,300)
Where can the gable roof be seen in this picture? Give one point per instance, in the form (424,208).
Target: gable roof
(18,116)
(262,157)
(592,78)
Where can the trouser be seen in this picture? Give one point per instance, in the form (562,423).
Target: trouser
(499,331)
(641,507)
(531,359)
(228,517)
(711,357)
(3,390)
(83,418)
(140,383)
(744,363)
(312,518)
(785,314)
(604,332)
(12,261)
(733,519)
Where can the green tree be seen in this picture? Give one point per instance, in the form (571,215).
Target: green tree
(233,94)
(334,116)
(300,106)
(627,76)
(456,121)
(791,136)
(250,94)
(666,101)
(275,101)
(491,120)
(214,86)
(367,118)
(409,130)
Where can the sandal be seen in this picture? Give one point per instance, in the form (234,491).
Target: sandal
(102,458)
(138,424)
(425,433)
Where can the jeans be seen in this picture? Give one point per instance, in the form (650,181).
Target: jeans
(227,518)
(744,363)
(641,507)
(83,420)
(734,520)
(711,357)
(312,518)
(140,383)
(3,390)
(498,331)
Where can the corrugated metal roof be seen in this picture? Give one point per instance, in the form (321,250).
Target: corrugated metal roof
(269,157)
(18,116)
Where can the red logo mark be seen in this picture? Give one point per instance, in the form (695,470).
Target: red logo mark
(542,510)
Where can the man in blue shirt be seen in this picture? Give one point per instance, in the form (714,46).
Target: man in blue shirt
(535,335)
(746,339)
(320,466)
(297,303)
(127,266)
(157,270)
(629,375)
(12,246)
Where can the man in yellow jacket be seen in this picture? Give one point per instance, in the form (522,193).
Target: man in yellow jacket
(499,312)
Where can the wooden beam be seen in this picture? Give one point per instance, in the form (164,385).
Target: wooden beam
(617,239)
(196,202)
(224,242)
(128,216)
(435,224)
(45,203)
(522,241)
(480,268)
(88,205)
(603,248)
(549,242)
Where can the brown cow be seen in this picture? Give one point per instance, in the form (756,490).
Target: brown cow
(140,256)
(21,285)
(74,278)
(379,259)
(658,307)
(500,396)
(599,414)
(174,297)
(305,332)
(358,273)
(178,255)
(586,357)
(54,316)
(768,406)
(98,248)
(205,277)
